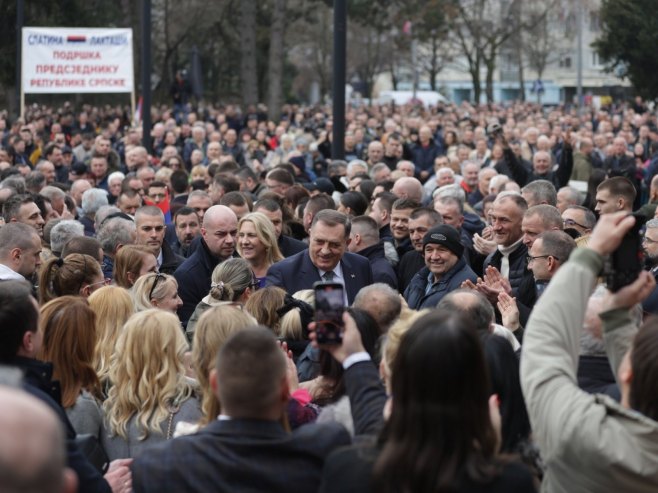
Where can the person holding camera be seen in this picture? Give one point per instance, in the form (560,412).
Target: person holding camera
(591,442)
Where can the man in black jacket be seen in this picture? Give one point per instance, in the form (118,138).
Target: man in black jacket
(510,257)
(20,341)
(217,243)
(364,240)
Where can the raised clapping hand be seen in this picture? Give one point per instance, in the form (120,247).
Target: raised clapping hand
(509,311)
(491,286)
(483,245)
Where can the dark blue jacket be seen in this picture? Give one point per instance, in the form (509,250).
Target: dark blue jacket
(451,280)
(193,277)
(298,272)
(382,271)
(424,156)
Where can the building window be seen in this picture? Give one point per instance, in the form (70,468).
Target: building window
(596,61)
(565,62)
(594,22)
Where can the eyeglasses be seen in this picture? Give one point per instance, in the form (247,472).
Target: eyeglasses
(646,239)
(157,277)
(105,282)
(571,222)
(530,258)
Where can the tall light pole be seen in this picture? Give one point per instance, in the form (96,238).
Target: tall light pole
(340,54)
(579,59)
(146,74)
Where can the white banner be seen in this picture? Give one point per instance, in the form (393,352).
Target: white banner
(77,60)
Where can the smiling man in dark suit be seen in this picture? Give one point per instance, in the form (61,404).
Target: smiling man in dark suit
(325,260)
(247,448)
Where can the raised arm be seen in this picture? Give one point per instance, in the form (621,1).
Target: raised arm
(550,351)
(619,326)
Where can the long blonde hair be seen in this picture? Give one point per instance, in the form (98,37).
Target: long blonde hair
(147,373)
(113,307)
(215,326)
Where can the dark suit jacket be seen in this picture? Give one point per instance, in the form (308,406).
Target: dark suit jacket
(239,455)
(193,277)
(170,260)
(298,272)
(290,246)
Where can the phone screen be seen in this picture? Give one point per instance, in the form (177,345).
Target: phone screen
(329,310)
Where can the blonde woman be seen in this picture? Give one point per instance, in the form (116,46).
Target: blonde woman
(232,283)
(264,305)
(113,307)
(68,327)
(156,290)
(131,263)
(150,393)
(257,244)
(213,329)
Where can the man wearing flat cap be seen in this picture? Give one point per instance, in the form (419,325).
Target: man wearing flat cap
(445,268)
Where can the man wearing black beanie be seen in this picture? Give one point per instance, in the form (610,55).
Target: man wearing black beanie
(445,268)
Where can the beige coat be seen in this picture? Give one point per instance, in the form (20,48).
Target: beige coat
(588,442)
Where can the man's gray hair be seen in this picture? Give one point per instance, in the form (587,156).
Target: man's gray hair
(102,213)
(376,169)
(463,165)
(15,183)
(653,223)
(381,301)
(52,193)
(63,232)
(114,232)
(455,191)
(92,200)
(542,191)
(354,163)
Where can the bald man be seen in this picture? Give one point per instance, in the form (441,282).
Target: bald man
(32,447)
(219,231)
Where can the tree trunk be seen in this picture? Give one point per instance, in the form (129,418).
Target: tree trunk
(519,54)
(248,70)
(276,60)
(477,90)
(491,67)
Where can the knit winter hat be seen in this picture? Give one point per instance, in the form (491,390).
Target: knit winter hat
(446,236)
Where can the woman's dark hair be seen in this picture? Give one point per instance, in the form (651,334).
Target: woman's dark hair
(439,432)
(597,177)
(332,370)
(367,187)
(504,372)
(356,201)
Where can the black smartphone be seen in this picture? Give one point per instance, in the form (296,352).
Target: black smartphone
(627,261)
(329,308)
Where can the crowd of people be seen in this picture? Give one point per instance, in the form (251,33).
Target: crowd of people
(156,304)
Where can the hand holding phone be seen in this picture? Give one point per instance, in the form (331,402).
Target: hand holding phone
(329,308)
